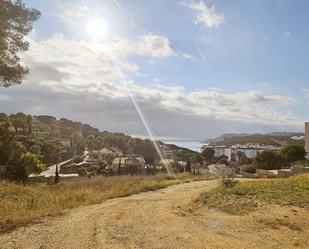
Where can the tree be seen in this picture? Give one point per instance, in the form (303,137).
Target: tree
(108,158)
(99,143)
(90,143)
(208,154)
(15,23)
(18,123)
(149,159)
(241,157)
(29,124)
(292,153)
(176,167)
(249,169)
(76,142)
(8,138)
(268,160)
(49,149)
(119,167)
(196,158)
(57,177)
(23,165)
(3,117)
(188,166)
(35,149)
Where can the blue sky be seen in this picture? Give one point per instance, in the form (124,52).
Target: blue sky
(224,66)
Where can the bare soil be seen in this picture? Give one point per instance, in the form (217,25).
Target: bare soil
(164,219)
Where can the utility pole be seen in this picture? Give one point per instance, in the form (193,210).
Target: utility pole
(57,179)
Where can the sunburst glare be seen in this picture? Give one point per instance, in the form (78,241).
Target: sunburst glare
(97,28)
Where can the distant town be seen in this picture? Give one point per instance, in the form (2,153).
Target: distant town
(71,149)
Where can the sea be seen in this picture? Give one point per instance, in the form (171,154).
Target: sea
(192,145)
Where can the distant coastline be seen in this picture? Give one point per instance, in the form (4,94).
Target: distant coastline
(189,144)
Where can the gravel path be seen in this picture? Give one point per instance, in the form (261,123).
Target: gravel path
(159,219)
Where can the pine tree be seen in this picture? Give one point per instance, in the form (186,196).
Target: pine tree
(15,23)
(188,168)
(119,166)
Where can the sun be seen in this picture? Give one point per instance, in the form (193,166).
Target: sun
(96,28)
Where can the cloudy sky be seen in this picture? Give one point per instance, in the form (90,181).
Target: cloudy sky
(196,69)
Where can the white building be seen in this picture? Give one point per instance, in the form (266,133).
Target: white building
(307,137)
(223,151)
(249,152)
(98,154)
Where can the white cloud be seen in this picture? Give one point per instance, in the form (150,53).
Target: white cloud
(72,13)
(79,67)
(205,15)
(88,63)
(72,65)
(156,46)
(150,45)
(80,16)
(250,106)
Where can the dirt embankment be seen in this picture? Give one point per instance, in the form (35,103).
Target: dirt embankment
(164,219)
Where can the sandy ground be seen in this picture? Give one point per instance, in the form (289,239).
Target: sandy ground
(164,219)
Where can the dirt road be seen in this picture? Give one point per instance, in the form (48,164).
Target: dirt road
(160,219)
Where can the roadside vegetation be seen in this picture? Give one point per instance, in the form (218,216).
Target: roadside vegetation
(248,196)
(270,160)
(21,204)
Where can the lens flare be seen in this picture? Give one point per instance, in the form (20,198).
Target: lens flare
(142,116)
(97,28)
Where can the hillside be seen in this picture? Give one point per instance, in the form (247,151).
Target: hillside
(46,136)
(275,139)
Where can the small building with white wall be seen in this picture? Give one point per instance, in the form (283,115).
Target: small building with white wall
(222,151)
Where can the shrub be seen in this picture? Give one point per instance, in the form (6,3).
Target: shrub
(176,167)
(78,159)
(292,153)
(268,160)
(23,165)
(228,182)
(249,169)
(82,171)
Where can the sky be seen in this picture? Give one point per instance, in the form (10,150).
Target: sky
(197,69)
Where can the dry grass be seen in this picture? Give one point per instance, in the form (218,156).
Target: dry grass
(248,196)
(21,204)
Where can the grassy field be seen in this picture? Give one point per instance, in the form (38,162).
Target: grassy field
(21,204)
(248,196)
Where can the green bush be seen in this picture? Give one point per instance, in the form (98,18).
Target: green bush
(78,159)
(249,169)
(292,153)
(23,165)
(269,160)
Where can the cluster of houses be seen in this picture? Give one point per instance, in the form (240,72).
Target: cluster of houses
(250,152)
(293,170)
(134,164)
(230,152)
